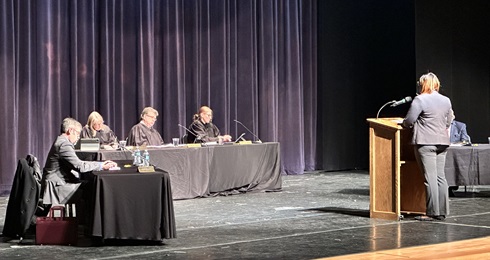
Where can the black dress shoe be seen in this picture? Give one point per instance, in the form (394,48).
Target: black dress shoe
(424,218)
(440,217)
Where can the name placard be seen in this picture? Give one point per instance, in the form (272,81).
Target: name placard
(144,169)
(193,145)
(245,142)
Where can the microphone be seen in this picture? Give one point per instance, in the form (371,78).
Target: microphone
(240,137)
(197,137)
(258,139)
(394,103)
(403,101)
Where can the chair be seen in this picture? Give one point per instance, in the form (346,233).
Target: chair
(24,198)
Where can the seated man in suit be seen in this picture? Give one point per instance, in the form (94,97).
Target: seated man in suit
(61,175)
(143,133)
(457,135)
(458,132)
(203,129)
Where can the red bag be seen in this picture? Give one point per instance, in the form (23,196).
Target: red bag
(56,229)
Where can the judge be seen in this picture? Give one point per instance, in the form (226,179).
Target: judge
(143,133)
(203,129)
(95,128)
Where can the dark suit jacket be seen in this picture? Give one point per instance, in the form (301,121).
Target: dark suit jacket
(458,132)
(24,197)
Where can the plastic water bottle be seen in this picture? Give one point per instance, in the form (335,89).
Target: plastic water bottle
(137,157)
(146,158)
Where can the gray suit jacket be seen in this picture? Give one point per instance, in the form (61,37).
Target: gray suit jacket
(61,173)
(429,117)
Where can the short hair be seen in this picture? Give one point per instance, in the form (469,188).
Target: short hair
(148,110)
(70,123)
(428,83)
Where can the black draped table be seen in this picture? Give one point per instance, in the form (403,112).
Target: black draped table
(201,171)
(468,165)
(132,205)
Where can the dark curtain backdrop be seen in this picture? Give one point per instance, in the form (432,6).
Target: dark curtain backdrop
(453,41)
(373,51)
(254,61)
(366,57)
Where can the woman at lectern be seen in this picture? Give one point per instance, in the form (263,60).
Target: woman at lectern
(95,128)
(429,117)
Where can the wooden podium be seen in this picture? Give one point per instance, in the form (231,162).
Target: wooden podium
(396,183)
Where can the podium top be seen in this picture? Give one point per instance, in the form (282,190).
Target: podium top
(390,122)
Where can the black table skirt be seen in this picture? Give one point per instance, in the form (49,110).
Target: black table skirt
(204,171)
(132,205)
(468,165)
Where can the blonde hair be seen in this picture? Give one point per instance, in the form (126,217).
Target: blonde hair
(94,118)
(429,83)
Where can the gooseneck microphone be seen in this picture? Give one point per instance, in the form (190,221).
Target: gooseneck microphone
(395,103)
(197,137)
(403,101)
(258,139)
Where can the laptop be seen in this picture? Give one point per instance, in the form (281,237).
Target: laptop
(88,144)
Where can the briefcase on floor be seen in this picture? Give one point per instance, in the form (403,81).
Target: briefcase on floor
(56,228)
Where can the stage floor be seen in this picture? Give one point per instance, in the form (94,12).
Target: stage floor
(316,215)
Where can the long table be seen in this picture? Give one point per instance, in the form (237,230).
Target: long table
(127,204)
(211,170)
(468,165)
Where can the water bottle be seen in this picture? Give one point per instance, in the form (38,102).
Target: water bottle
(146,158)
(137,157)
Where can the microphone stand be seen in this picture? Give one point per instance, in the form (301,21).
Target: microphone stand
(387,103)
(259,141)
(197,137)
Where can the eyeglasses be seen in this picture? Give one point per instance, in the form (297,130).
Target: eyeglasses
(152,117)
(77,132)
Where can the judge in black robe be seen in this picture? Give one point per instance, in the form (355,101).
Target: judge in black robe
(203,130)
(95,128)
(143,133)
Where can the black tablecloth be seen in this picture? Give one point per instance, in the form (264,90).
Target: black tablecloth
(197,172)
(132,205)
(468,165)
